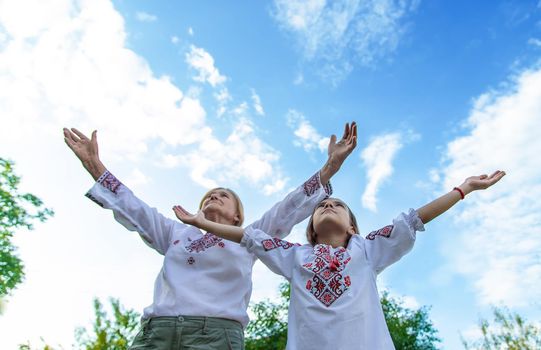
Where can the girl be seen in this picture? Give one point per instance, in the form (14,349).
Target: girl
(334,299)
(203,289)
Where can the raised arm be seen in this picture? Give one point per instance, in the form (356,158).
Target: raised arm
(300,203)
(229,232)
(473,183)
(109,193)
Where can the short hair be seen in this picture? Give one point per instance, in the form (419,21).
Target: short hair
(311,233)
(240,208)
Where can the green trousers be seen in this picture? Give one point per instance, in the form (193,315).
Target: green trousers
(189,333)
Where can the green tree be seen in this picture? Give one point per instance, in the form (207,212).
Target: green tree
(109,332)
(268,329)
(16,211)
(509,331)
(410,329)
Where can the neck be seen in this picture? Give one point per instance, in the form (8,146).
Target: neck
(334,239)
(214,217)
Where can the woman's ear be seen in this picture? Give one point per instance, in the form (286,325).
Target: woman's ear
(236,219)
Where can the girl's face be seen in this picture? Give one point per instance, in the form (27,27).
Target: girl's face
(221,202)
(332,215)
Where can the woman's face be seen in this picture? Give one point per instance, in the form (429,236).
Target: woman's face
(331,214)
(220,202)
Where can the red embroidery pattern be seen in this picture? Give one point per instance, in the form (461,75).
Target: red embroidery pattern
(176,242)
(312,185)
(328,283)
(269,244)
(109,181)
(384,232)
(207,241)
(221,244)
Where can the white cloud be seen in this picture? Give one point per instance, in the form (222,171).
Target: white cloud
(498,240)
(175,39)
(307,136)
(145,17)
(257,103)
(242,156)
(190,31)
(330,32)
(534,42)
(203,63)
(377,158)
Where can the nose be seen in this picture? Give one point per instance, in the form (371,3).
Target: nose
(213,196)
(328,205)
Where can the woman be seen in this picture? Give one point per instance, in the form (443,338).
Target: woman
(334,298)
(202,293)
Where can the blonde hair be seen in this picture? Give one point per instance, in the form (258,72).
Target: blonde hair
(240,208)
(311,233)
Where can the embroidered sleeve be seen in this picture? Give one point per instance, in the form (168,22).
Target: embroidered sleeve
(132,213)
(387,245)
(294,208)
(278,255)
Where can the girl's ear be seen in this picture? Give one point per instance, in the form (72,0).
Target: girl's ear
(351,231)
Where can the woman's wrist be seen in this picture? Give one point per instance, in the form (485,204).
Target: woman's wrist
(95,167)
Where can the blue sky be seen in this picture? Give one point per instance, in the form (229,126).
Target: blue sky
(186,95)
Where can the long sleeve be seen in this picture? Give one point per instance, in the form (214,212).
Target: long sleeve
(133,213)
(390,243)
(294,208)
(278,255)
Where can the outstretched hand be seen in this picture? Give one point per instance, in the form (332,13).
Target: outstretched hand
(481,182)
(183,215)
(339,151)
(86,150)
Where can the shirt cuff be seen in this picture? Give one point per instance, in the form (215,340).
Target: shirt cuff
(109,181)
(413,220)
(314,184)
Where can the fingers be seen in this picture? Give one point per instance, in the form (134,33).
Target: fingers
(69,135)
(70,143)
(80,134)
(346,131)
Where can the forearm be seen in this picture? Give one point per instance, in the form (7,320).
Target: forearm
(229,232)
(94,167)
(440,205)
(328,170)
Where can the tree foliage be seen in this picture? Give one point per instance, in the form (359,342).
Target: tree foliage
(268,329)
(410,329)
(109,332)
(508,331)
(16,211)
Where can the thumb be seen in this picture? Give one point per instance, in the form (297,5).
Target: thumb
(332,140)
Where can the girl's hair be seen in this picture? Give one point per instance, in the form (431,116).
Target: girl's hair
(240,208)
(311,233)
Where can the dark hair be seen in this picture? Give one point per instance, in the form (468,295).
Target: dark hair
(311,233)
